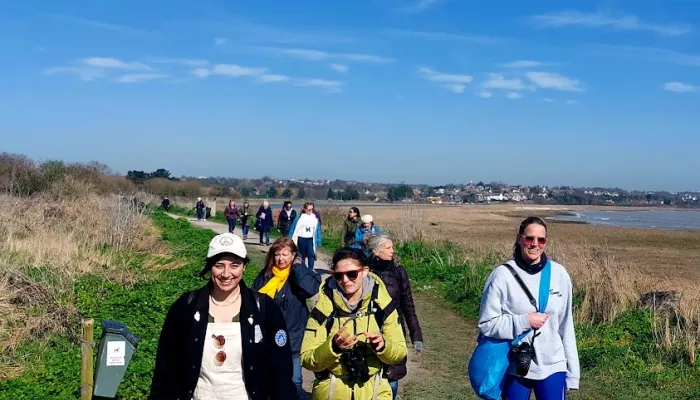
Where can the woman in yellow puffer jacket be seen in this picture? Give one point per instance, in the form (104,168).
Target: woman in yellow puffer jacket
(352,332)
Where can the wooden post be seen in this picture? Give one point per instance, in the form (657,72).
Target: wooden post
(86,367)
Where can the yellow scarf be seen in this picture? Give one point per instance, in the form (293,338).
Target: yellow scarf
(276,283)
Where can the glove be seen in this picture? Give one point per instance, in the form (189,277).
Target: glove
(418,346)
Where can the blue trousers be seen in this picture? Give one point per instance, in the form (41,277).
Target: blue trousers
(297,378)
(394,388)
(200,214)
(552,387)
(231,225)
(245,229)
(306,251)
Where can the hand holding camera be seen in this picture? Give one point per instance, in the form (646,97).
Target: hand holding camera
(344,342)
(376,339)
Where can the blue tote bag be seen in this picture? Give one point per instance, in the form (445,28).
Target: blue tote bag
(489,362)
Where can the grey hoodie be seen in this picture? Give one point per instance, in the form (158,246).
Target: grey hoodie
(503,315)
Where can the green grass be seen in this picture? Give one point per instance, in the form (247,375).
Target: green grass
(54,364)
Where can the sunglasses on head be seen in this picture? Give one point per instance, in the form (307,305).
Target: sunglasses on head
(352,275)
(530,240)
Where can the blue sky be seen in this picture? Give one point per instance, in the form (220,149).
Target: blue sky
(424,91)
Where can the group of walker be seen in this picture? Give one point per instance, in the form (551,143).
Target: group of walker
(228,341)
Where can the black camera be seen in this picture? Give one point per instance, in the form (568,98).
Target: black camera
(521,355)
(356,364)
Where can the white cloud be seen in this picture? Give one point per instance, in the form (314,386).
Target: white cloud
(571,102)
(108,62)
(485,94)
(648,54)
(180,61)
(331,86)
(83,73)
(680,87)
(522,64)
(550,80)
(421,5)
(442,36)
(267,78)
(342,68)
(604,20)
(548,100)
(515,95)
(318,55)
(455,87)
(220,41)
(497,81)
(435,76)
(137,78)
(233,70)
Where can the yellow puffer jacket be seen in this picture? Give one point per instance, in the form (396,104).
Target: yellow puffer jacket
(317,352)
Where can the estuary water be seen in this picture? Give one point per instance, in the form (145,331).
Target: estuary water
(658,219)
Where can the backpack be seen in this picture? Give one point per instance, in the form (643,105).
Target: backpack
(327,320)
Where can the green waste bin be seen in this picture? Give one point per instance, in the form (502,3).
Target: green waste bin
(117,346)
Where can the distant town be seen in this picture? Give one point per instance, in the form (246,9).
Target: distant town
(471,193)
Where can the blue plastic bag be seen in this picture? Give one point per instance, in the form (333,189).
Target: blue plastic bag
(489,363)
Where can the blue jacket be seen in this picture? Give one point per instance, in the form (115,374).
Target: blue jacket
(361,231)
(267,223)
(318,236)
(302,284)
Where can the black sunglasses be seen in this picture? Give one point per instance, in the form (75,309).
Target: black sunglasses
(352,275)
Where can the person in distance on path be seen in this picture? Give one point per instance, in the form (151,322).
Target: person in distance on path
(366,229)
(245,215)
(224,341)
(286,280)
(201,209)
(306,233)
(285,218)
(506,312)
(231,214)
(384,263)
(264,222)
(351,225)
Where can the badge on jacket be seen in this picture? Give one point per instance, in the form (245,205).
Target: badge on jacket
(281,338)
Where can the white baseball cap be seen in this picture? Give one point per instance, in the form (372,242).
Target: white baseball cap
(367,219)
(227,243)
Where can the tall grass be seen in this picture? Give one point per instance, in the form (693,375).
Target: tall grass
(49,240)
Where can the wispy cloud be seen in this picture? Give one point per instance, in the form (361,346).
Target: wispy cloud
(233,70)
(497,81)
(514,95)
(652,54)
(442,36)
(550,80)
(108,62)
(179,61)
(548,100)
(565,18)
(269,78)
(522,64)
(83,73)
(220,41)
(418,6)
(680,87)
(571,102)
(138,78)
(342,68)
(453,82)
(319,55)
(125,29)
(331,86)
(485,94)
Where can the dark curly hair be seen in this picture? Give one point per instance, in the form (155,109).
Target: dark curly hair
(350,253)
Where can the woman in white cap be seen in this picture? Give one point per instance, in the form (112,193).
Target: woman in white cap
(201,209)
(224,340)
(365,230)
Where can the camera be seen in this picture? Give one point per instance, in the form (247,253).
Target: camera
(521,355)
(356,363)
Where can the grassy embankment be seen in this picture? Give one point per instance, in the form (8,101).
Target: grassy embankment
(48,366)
(625,353)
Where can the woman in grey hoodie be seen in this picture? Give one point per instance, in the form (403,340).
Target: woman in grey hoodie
(506,312)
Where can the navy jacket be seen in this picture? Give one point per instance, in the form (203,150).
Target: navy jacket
(302,284)
(267,366)
(267,223)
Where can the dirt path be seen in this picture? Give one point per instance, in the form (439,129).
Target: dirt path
(440,372)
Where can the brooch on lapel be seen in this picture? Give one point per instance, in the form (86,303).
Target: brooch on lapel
(196,316)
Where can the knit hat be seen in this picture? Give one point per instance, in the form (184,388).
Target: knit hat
(367,219)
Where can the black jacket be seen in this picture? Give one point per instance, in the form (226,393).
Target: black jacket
(284,223)
(302,284)
(396,280)
(267,366)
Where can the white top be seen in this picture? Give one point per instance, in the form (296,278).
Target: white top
(306,226)
(223,382)
(503,315)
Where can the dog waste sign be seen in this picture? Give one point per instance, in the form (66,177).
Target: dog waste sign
(117,346)
(115,353)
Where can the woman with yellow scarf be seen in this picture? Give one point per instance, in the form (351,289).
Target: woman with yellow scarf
(290,283)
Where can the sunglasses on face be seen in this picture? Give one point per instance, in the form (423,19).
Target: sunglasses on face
(352,275)
(219,342)
(530,240)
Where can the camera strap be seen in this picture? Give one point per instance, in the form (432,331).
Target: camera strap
(545,282)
